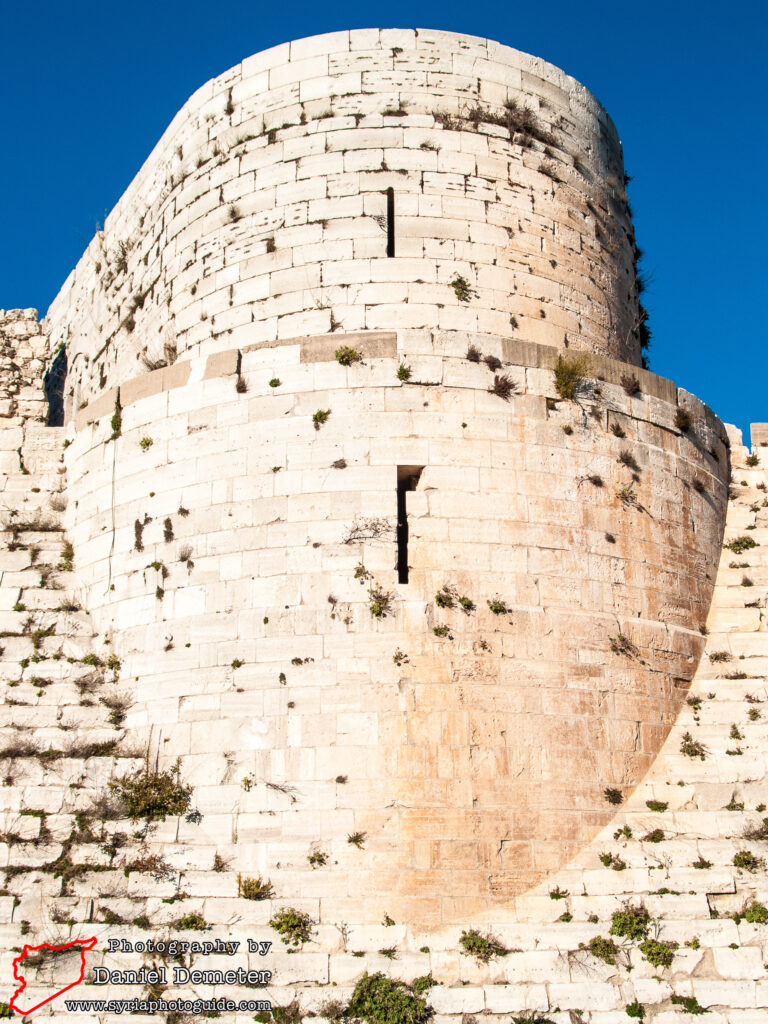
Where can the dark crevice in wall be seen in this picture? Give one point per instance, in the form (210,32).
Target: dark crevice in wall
(54,382)
(407,480)
(390,222)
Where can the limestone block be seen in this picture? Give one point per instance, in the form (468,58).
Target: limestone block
(733,994)
(585,995)
(746,962)
(457,1000)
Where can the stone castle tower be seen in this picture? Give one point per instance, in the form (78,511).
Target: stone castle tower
(363,569)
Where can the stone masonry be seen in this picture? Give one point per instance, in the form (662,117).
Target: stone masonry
(330,604)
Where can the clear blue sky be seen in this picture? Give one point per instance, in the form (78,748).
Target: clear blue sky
(87,88)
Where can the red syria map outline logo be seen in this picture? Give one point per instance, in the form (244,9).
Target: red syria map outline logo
(83,943)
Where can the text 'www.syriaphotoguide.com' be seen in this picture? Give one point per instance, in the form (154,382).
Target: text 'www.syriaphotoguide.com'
(152,1006)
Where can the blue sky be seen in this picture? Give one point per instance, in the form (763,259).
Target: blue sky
(87,88)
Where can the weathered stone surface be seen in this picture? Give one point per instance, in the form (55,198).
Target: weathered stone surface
(403,778)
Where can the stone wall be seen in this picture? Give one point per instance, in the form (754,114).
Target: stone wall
(262,211)
(417,748)
(686,853)
(233,550)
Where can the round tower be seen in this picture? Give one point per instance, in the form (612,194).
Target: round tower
(406,556)
(366,181)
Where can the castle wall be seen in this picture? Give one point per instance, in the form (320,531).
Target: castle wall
(262,211)
(435,754)
(474,758)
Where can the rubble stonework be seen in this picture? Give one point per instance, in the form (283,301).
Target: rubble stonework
(229,718)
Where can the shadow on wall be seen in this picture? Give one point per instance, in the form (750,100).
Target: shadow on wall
(54,382)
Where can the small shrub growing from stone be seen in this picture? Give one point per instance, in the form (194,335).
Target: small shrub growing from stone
(377,999)
(275,382)
(755,913)
(145,443)
(621,644)
(254,888)
(631,384)
(613,796)
(632,922)
(319,418)
(403,372)
(193,922)
(446,597)
(380,601)
(612,861)
(462,288)
(740,544)
(689,1004)
(683,420)
(317,859)
(293,926)
(493,363)
(720,656)
(657,952)
(656,805)
(423,984)
(67,558)
(635,1010)
(570,374)
(602,949)
(497,606)
(356,839)
(154,796)
(474,355)
(626,458)
(482,947)
(346,355)
(503,386)
(747,861)
(654,836)
(627,495)
(116,422)
(692,748)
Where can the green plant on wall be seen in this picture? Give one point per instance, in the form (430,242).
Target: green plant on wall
(571,373)
(154,796)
